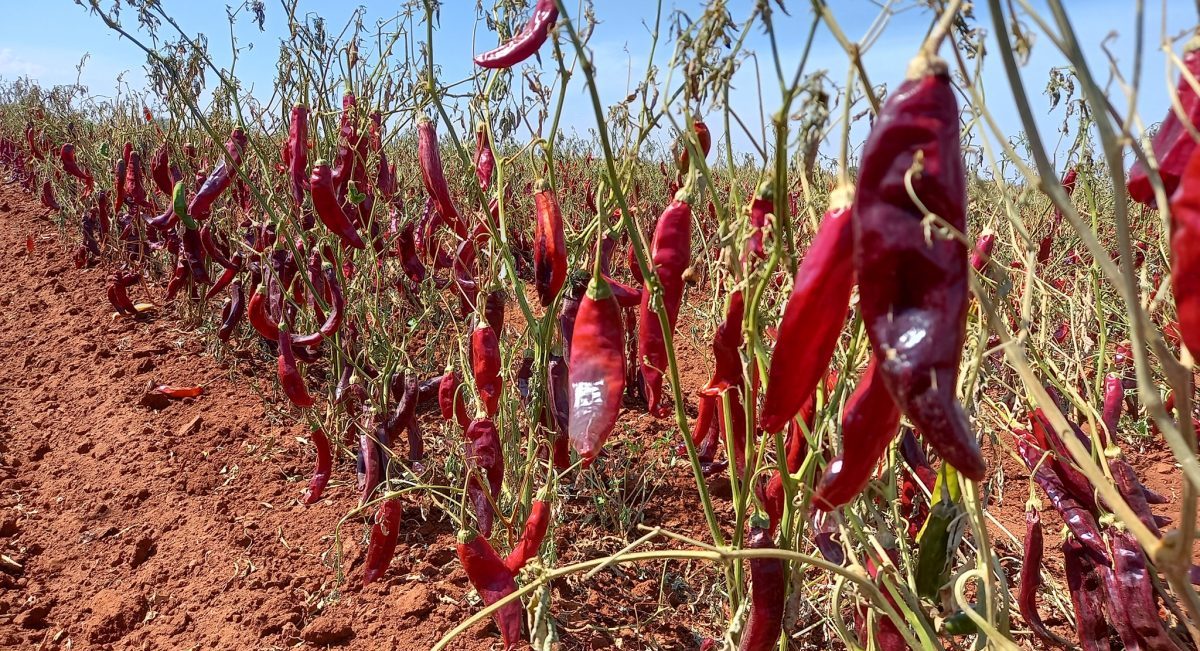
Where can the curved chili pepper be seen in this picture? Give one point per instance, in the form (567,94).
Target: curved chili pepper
(193,253)
(135,189)
(484,455)
(596,369)
(47,198)
(67,155)
(226,277)
(406,250)
(1114,399)
(576,288)
(1137,590)
(1047,243)
(160,170)
(323,469)
(485,160)
(869,423)
(34,150)
(221,178)
(369,459)
(333,320)
(450,399)
(1031,565)
(1172,143)
(762,205)
(525,42)
(485,366)
(1087,596)
(1185,234)
(704,138)
(1078,519)
(296,154)
(726,340)
(289,377)
(913,287)
(382,545)
(768,586)
(231,312)
(1130,488)
(558,378)
(433,175)
(531,537)
(214,250)
(670,254)
(549,245)
(1072,480)
(328,209)
(260,318)
(813,318)
(493,581)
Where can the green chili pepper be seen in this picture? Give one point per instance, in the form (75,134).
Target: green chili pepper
(179,204)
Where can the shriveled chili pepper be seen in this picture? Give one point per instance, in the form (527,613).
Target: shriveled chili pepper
(728,360)
(1137,590)
(382,545)
(532,536)
(406,250)
(1078,519)
(768,586)
(118,296)
(231,312)
(596,369)
(226,278)
(323,469)
(370,465)
(762,205)
(558,378)
(869,423)
(193,252)
(485,367)
(450,399)
(484,456)
(576,287)
(160,169)
(1114,399)
(328,209)
(549,245)
(66,154)
(47,198)
(1127,483)
(703,138)
(485,160)
(289,377)
(1172,143)
(1072,480)
(525,42)
(221,178)
(1185,235)
(493,581)
(177,392)
(214,251)
(1046,246)
(433,175)
(493,310)
(31,140)
(813,318)
(670,255)
(913,286)
(333,320)
(1031,566)
(296,156)
(1087,595)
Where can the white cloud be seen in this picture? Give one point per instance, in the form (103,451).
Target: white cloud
(13,65)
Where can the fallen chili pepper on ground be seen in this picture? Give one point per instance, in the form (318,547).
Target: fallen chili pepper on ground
(913,285)
(173,391)
(525,42)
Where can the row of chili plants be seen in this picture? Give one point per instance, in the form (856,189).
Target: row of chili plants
(345,268)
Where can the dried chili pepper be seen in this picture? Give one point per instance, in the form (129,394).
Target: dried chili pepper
(1137,591)
(532,536)
(177,392)
(259,317)
(493,581)
(913,287)
(323,469)
(1130,488)
(296,154)
(485,160)
(382,545)
(450,399)
(484,456)
(549,244)
(1087,596)
(762,205)
(231,312)
(289,377)
(328,209)
(66,154)
(1078,519)
(703,138)
(433,176)
(558,378)
(596,369)
(525,42)
(493,310)
(768,585)
(47,197)
(576,287)
(221,178)
(869,423)
(406,250)
(1031,565)
(1185,236)
(726,340)
(1172,143)
(983,250)
(370,463)
(1072,480)
(813,318)
(485,367)
(1114,398)
(670,255)
(226,277)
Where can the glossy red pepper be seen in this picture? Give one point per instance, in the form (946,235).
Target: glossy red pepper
(493,581)
(260,318)
(1078,519)
(549,245)
(983,250)
(1185,242)
(485,367)
(525,42)
(913,285)
(814,315)
(869,423)
(768,588)
(1172,143)
(670,255)
(323,469)
(532,536)
(220,179)
(1031,580)
(326,205)
(596,369)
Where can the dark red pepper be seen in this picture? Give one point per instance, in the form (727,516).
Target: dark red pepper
(323,469)
(726,341)
(382,545)
(525,42)
(1185,233)
(670,255)
(289,377)
(485,367)
(433,176)
(296,154)
(1078,519)
(220,179)
(493,581)
(329,210)
(768,588)
(596,369)
(484,456)
(549,245)
(1172,143)
(1087,595)
(450,399)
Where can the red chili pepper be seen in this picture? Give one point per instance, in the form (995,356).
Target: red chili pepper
(559,381)
(369,459)
(670,254)
(531,537)
(1127,483)
(485,455)
(726,341)
(160,170)
(67,155)
(1185,234)
(48,200)
(1047,243)
(231,312)
(406,250)
(913,287)
(768,586)
(34,150)
(382,546)
(1031,566)
(1077,518)
(1087,596)
(1172,143)
(1114,398)
(870,421)
(596,369)
(493,581)
(762,205)
(226,277)
(493,310)
(296,154)
(549,245)
(323,469)
(328,209)
(983,250)
(289,377)
(526,42)
(813,318)
(220,179)
(485,160)
(433,176)
(704,138)
(485,367)
(178,392)
(1073,480)
(451,400)
(344,161)
(333,320)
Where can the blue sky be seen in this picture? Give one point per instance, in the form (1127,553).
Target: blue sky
(46,40)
